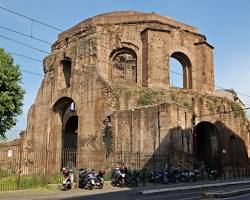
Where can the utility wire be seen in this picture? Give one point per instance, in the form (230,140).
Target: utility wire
(26,71)
(53,27)
(24,56)
(29,72)
(37,21)
(246,95)
(7,38)
(30,36)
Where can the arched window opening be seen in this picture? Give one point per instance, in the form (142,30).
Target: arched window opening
(124,66)
(66,68)
(176,73)
(180,71)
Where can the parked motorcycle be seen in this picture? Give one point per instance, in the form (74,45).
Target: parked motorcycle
(132,178)
(68,178)
(156,177)
(99,180)
(118,177)
(195,176)
(86,179)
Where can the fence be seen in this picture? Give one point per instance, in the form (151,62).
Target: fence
(24,169)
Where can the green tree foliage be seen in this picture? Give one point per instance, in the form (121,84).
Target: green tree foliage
(11,92)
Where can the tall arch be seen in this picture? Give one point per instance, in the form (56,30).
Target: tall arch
(186,69)
(65,107)
(123,66)
(207,144)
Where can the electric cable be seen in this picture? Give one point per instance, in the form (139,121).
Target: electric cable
(24,56)
(23,44)
(32,19)
(32,37)
(34,73)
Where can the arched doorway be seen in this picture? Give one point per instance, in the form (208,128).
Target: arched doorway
(207,145)
(70,133)
(180,68)
(65,107)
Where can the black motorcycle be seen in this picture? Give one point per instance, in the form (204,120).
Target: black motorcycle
(86,179)
(118,177)
(132,179)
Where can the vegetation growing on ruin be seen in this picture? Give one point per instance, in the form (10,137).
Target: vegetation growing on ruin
(145,98)
(136,97)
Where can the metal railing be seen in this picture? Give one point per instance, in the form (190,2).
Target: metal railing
(24,169)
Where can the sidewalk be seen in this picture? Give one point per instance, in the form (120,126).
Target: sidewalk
(144,190)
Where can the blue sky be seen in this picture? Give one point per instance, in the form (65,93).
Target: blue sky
(225,23)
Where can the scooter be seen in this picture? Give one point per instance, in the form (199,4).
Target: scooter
(68,179)
(121,179)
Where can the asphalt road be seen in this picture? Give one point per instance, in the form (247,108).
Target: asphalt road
(176,195)
(242,197)
(114,193)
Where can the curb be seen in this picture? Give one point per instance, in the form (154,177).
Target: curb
(226,194)
(145,192)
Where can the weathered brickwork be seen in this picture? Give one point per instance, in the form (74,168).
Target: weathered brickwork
(106,87)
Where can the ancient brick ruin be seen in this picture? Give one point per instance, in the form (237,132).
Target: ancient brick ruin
(107,88)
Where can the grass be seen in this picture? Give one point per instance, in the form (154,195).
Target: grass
(107,176)
(32,181)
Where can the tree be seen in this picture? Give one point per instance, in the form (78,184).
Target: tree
(11,92)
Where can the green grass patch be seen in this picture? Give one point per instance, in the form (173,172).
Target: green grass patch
(12,182)
(107,176)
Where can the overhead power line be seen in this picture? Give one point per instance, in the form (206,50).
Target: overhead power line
(7,38)
(34,73)
(32,19)
(246,95)
(24,56)
(32,37)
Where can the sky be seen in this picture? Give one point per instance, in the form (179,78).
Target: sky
(226,24)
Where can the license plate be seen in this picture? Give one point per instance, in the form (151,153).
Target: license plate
(123,175)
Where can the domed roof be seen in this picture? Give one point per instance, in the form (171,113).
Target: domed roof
(125,17)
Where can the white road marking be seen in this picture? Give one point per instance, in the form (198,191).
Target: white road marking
(173,195)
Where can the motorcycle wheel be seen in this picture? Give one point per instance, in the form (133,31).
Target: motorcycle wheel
(64,188)
(122,182)
(90,186)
